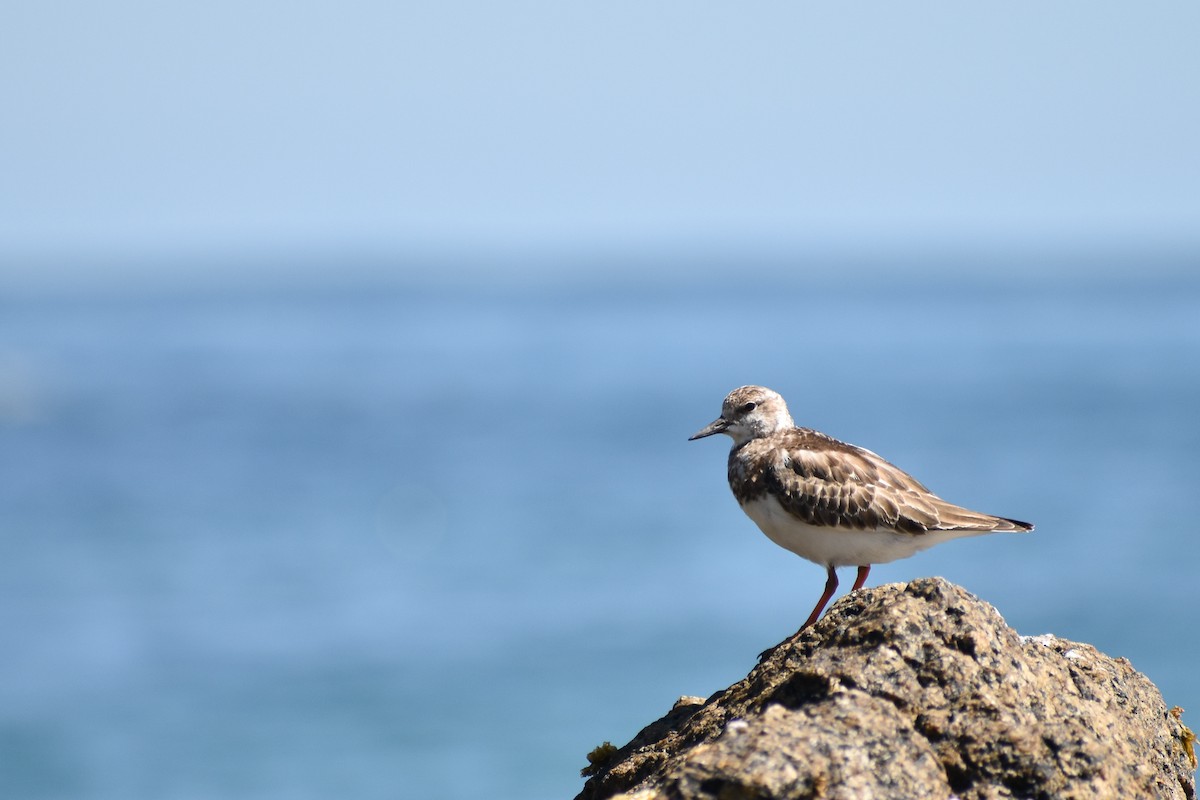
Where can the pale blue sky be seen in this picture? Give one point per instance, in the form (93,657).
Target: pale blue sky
(133,128)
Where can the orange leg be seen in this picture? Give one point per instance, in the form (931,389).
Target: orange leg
(862,577)
(830,587)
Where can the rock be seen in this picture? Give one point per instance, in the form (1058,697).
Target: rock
(913,691)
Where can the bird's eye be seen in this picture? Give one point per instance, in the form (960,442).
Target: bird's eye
(748,407)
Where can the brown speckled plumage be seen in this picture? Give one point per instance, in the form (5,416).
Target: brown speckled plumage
(826,482)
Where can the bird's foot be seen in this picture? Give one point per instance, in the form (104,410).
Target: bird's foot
(789,640)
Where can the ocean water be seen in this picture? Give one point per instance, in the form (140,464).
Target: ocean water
(439,541)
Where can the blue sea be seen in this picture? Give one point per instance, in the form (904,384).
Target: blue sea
(438,538)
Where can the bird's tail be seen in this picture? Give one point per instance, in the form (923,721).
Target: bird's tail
(951,517)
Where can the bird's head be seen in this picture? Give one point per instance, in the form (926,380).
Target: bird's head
(749,412)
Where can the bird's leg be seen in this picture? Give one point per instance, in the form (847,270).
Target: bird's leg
(862,577)
(831,585)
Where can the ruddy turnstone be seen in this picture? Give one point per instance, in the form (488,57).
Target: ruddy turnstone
(833,503)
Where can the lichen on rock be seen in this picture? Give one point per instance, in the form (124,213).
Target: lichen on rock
(915,690)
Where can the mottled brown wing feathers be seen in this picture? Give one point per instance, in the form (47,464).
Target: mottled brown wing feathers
(827,482)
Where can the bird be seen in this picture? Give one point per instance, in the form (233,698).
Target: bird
(833,503)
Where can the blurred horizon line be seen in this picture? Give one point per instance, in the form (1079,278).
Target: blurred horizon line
(566,262)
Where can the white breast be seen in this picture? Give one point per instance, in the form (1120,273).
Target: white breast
(841,547)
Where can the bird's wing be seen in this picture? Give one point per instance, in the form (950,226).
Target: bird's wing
(831,483)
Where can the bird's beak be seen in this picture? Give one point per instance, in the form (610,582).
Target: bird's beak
(718,425)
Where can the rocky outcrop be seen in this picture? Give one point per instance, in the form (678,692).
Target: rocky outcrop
(913,691)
